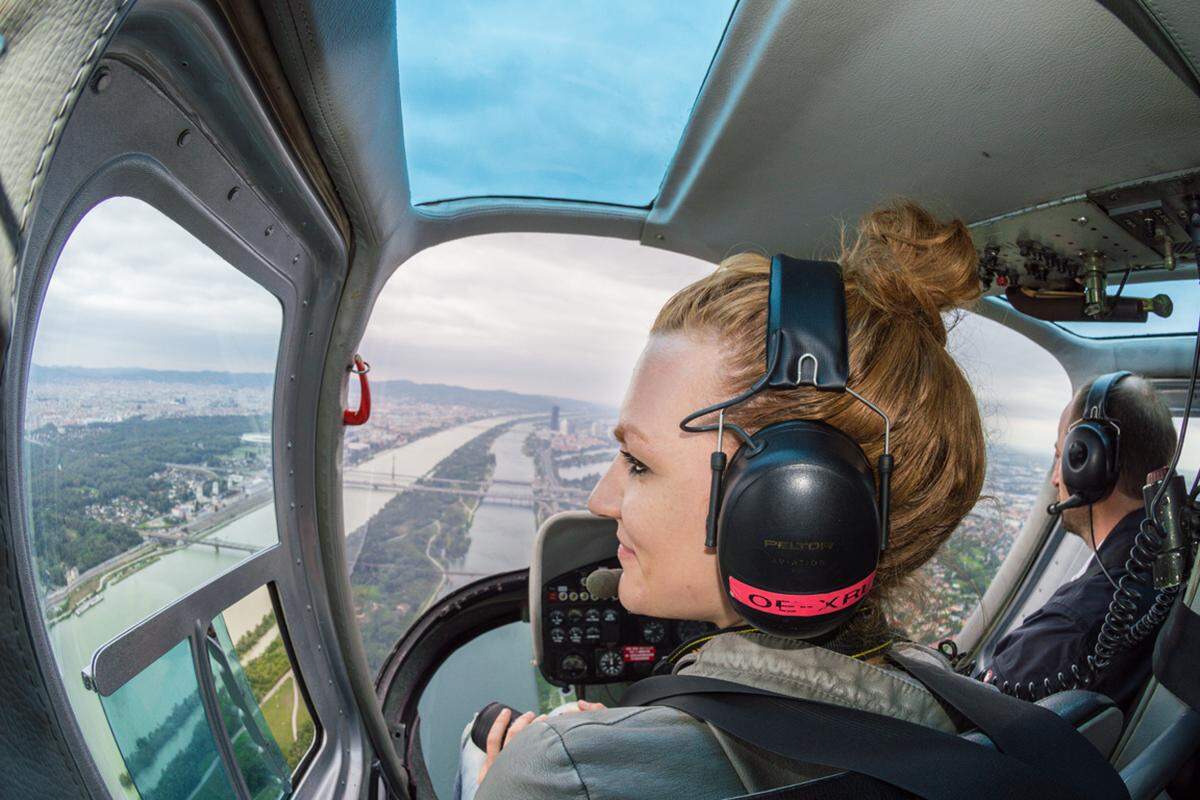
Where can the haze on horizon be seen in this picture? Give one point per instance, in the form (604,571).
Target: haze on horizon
(547,314)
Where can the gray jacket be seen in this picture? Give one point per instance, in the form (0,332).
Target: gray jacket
(652,752)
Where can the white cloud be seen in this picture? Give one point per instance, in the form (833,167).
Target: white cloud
(535,313)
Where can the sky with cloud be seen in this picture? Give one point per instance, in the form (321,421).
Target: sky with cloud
(535,313)
(581,100)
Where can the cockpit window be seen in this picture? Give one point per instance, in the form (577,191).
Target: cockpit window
(498,364)
(494,405)
(1021,390)
(547,99)
(147,435)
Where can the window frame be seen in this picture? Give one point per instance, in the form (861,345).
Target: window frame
(190,184)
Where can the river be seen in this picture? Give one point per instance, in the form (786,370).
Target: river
(501,535)
(496,665)
(178,572)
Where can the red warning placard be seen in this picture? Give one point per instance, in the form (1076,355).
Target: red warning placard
(633,653)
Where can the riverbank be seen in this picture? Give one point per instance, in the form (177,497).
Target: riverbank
(158,582)
(85,589)
(400,568)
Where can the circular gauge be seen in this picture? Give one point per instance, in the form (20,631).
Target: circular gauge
(592,615)
(611,615)
(574,615)
(653,631)
(690,629)
(557,617)
(557,636)
(610,664)
(592,634)
(575,634)
(572,667)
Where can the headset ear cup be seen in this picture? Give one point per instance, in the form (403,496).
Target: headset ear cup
(799,531)
(1089,460)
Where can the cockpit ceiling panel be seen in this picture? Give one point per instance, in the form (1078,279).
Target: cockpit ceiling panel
(815,111)
(539,98)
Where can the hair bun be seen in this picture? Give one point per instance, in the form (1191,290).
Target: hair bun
(908,264)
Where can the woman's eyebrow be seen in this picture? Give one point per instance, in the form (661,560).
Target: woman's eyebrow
(625,430)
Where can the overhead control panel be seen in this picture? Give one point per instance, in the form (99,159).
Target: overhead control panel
(1057,261)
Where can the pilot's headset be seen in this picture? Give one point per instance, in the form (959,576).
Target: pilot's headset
(1090,454)
(795,515)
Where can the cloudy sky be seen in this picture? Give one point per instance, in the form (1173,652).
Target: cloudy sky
(581,100)
(536,313)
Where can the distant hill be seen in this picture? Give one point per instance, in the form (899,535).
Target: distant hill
(481,398)
(498,399)
(43,374)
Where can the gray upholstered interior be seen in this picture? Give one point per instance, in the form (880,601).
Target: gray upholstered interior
(816,110)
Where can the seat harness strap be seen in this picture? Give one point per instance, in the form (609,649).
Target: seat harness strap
(1034,757)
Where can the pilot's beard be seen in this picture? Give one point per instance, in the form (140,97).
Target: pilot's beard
(1075,520)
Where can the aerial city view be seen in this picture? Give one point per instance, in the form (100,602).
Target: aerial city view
(445,485)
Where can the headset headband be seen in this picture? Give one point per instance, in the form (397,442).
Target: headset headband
(806,346)
(806,325)
(1097,396)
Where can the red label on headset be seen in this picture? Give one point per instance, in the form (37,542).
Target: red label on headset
(799,605)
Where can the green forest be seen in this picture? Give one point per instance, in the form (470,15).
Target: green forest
(74,468)
(394,575)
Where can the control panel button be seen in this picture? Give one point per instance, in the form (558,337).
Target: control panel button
(572,667)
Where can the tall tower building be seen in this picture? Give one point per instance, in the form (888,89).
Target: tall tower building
(554,418)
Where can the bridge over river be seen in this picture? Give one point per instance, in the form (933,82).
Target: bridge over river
(521,494)
(195,538)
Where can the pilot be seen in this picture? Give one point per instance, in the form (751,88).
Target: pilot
(1063,632)
(902,271)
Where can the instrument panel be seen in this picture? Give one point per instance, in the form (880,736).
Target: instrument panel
(592,640)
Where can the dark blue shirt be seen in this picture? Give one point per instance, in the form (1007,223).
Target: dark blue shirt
(1064,630)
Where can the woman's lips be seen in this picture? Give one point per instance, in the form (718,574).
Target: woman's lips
(625,553)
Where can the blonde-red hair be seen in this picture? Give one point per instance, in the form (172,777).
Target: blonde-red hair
(902,270)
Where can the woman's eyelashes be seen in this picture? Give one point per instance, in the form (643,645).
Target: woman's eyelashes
(634,466)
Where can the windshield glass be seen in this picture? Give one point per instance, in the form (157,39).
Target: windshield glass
(578,101)
(486,420)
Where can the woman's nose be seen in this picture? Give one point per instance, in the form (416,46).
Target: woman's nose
(605,499)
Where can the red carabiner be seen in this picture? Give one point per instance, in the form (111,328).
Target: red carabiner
(360,368)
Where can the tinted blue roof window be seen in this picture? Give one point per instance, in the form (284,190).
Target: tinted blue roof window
(544,98)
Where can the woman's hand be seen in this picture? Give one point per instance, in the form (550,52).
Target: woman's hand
(502,733)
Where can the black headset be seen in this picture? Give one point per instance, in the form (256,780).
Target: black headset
(795,516)
(1091,449)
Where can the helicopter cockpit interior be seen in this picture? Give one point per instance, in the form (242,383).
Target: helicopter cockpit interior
(318,315)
